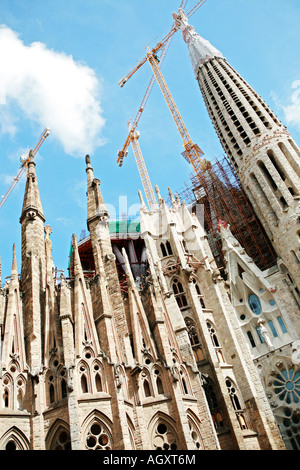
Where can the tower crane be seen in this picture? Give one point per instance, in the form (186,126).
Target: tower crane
(160,44)
(134,139)
(24,163)
(192,151)
(123,153)
(133,135)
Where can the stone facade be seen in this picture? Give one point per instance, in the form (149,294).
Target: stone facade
(266,160)
(162,366)
(181,359)
(261,150)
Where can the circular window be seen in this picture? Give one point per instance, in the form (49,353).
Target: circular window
(98,438)
(254,304)
(287,385)
(161,428)
(96,429)
(292,428)
(165,438)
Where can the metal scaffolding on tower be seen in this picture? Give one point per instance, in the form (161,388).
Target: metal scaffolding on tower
(218,188)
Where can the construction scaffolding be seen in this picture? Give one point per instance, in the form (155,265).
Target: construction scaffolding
(218,188)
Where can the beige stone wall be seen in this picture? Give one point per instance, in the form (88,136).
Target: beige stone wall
(118,371)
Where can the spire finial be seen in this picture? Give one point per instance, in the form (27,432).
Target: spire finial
(31,157)
(32,205)
(141,197)
(157,192)
(200,50)
(171,195)
(14,268)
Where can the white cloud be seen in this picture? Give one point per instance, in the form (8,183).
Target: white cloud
(292,111)
(52,90)
(7,179)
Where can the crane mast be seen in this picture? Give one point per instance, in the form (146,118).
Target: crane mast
(192,152)
(134,136)
(17,178)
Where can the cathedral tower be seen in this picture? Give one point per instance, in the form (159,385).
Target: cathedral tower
(261,150)
(33,266)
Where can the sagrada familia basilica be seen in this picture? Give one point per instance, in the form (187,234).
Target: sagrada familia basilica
(148,344)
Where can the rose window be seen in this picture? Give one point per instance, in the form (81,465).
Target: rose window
(291,423)
(287,385)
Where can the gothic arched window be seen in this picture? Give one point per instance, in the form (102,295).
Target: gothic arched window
(98,383)
(179,293)
(83,382)
(146,383)
(98,374)
(272,328)
(5,401)
(169,248)
(184,381)
(166,249)
(236,403)
(84,370)
(51,393)
(63,388)
(147,391)
(158,380)
(164,436)
(215,342)
(14,439)
(194,339)
(98,436)
(195,433)
(200,296)
(213,403)
(163,250)
(61,439)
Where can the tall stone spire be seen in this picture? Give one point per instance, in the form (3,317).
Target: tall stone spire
(13,342)
(96,206)
(104,258)
(200,50)
(32,205)
(33,267)
(262,152)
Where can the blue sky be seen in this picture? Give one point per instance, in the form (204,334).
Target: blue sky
(60,66)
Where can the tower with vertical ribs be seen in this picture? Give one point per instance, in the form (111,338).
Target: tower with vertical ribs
(261,150)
